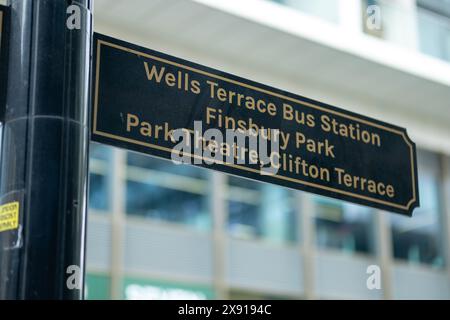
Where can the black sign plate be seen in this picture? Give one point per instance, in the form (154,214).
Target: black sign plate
(3,59)
(140,96)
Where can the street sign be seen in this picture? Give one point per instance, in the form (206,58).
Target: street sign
(163,106)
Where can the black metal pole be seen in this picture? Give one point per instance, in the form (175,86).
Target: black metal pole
(45,149)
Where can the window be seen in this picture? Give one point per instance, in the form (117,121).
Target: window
(1,138)
(419,239)
(97,287)
(160,190)
(344,226)
(376,32)
(428,25)
(261,211)
(149,289)
(157,164)
(433,19)
(246,295)
(98,196)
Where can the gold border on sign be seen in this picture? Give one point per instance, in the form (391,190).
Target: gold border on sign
(278,95)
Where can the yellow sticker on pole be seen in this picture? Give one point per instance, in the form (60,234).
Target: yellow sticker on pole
(9,216)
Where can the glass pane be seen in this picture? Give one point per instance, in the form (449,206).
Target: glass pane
(259,210)
(100,152)
(419,239)
(143,161)
(344,226)
(161,190)
(1,138)
(100,156)
(98,192)
(97,287)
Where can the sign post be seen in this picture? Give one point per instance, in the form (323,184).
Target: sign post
(43,187)
(143,98)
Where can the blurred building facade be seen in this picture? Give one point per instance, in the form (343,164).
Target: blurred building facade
(161,231)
